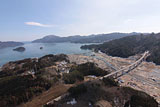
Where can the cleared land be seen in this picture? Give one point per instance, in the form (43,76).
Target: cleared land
(47,96)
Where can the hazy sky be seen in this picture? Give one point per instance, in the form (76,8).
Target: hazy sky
(24,20)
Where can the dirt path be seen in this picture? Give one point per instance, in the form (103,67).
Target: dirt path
(45,97)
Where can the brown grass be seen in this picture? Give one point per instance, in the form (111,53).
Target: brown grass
(47,96)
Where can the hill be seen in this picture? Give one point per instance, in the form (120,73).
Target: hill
(105,93)
(35,82)
(22,80)
(99,38)
(131,45)
(9,44)
(56,39)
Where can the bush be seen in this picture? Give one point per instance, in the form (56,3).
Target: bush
(110,82)
(90,69)
(77,73)
(142,101)
(73,77)
(75,91)
(139,98)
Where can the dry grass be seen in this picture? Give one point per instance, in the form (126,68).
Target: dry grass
(47,96)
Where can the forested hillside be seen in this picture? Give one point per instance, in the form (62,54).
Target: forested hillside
(99,38)
(131,45)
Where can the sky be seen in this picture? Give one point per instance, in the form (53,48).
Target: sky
(26,20)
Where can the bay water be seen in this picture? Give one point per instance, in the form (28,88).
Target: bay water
(33,50)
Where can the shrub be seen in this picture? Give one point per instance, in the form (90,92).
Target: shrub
(73,77)
(110,82)
(77,73)
(142,101)
(91,69)
(139,98)
(75,91)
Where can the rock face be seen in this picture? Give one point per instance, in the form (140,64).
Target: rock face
(9,44)
(19,49)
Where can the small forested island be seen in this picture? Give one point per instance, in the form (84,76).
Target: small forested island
(19,49)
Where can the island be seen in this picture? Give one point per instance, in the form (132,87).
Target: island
(41,48)
(19,49)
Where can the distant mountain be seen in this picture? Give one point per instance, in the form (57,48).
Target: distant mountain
(10,44)
(57,39)
(131,45)
(99,38)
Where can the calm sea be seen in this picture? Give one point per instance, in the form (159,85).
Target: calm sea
(33,50)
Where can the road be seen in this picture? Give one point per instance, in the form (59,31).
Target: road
(125,70)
